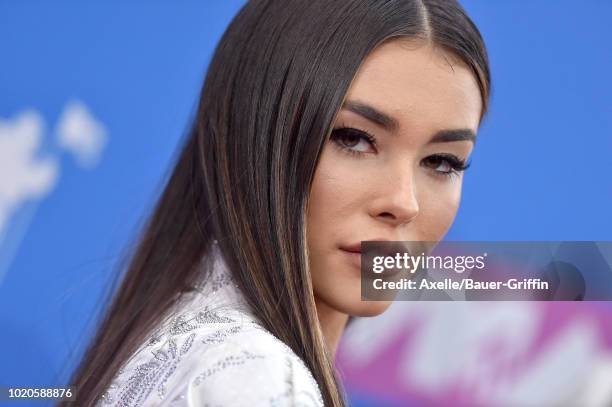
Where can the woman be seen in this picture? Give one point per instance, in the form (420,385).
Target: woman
(320,124)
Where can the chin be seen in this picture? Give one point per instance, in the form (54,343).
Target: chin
(370,308)
(362,308)
(342,292)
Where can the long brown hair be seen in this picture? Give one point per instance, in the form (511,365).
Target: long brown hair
(273,88)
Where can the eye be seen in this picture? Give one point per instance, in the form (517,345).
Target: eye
(353,140)
(446,164)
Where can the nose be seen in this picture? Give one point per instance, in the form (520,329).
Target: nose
(397,202)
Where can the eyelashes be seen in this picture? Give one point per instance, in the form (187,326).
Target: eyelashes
(358,143)
(446,163)
(349,139)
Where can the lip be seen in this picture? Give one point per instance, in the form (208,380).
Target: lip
(353,251)
(354,254)
(353,257)
(356,247)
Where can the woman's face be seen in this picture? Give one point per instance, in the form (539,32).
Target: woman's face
(391,169)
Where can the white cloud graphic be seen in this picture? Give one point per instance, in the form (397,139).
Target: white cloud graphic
(23,175)
(81,134)
(27,175)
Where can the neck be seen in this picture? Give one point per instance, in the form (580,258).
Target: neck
(332,323)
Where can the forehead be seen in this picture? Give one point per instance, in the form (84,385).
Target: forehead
(420,85)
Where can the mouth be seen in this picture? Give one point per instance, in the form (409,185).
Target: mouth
(354,248)
(352,254)
(387,248)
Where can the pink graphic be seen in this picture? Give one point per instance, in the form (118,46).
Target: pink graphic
(482,354)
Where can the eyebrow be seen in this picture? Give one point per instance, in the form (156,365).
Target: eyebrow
(376,116)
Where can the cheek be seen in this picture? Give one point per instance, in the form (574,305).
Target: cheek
(334,196)
(438,208)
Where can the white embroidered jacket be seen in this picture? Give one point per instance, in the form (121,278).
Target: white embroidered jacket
(212,351)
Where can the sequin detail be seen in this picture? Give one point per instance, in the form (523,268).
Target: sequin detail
(153,374)
(228,361)
(288,351)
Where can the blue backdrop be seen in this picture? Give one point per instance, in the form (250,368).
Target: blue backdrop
(94,99)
